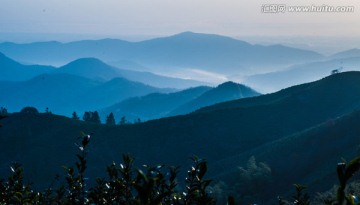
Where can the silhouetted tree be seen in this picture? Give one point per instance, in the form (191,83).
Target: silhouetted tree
(75,116)
(137,121)
(123,120)
(92,117)
(336,71)
(95,117)
(110,119)
(47,111)
(29,110)
(3,111)
(2,114)
(87,116)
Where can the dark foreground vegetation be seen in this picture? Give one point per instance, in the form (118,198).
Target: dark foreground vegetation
(123,185)
(152,185)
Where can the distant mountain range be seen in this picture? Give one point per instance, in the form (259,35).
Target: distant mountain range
(347,54)
(91,68)
(188,50)
(200,59)
(159,105)
(64,93)
(300,132)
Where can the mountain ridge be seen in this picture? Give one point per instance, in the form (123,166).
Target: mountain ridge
(11,70)
(65,93)
(227,91)
(187,50)
(155,105)
(92,68)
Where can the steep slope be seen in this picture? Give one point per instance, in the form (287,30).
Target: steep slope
(225,92)
(302,93)
(152,106)
(11,70)
(64,93)
(308,157)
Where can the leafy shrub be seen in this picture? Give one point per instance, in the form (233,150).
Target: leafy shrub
(124,185)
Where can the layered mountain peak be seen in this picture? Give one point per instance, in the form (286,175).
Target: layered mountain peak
(91,68)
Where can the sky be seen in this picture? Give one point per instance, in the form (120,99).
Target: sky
(167,17)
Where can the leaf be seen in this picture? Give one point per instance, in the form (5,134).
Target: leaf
(202,169)
(352,167)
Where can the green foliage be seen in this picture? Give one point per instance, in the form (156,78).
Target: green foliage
(75,182)
(124,185)
(195,184)
(151,186)
(281,201)
(14,191)
(345,172)
(301,198)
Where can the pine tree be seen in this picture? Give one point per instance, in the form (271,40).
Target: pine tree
(3,111)
(95,117)
(75,116)
(110,119)
(123,120)
(92,117)
(87,116)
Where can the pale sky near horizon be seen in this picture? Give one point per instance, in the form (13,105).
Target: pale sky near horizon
(166,17)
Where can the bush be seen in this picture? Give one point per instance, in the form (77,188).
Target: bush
(29,110)
(124,185)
